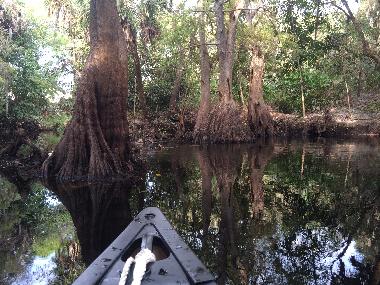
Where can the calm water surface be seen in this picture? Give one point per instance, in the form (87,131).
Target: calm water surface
(295,213)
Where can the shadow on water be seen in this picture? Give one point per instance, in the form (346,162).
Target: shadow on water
(298,213)
(100,212)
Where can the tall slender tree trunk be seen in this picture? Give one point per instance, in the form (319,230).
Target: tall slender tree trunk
(132,44)
(177,82)
(96,140)
(259,118)
(227,120)
(200,129)
(316,24)
(302,94)
(226,39)
(139,81)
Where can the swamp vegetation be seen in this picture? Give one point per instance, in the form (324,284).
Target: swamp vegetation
(286,213)
(101,100)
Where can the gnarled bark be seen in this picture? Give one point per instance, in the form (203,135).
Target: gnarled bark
(227,122)
(96,141)
(259,118)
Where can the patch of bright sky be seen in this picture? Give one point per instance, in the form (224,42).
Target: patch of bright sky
(37,9)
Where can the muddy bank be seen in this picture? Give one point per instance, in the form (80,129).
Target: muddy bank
(163,128)
(158,129)
(328,124)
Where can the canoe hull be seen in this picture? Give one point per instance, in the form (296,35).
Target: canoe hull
(176,263)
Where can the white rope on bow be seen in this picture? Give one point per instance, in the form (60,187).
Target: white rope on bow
(144,257)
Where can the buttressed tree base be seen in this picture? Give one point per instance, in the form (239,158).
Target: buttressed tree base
(96,140)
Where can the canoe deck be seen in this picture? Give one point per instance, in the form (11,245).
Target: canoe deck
(176,263)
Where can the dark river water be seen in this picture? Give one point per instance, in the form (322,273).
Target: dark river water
(287,213)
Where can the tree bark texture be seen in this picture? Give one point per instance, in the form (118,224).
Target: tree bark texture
(227,120)
(259,118)
(96,140)
(131,39)
(177,82)
(226,39)
(201,125)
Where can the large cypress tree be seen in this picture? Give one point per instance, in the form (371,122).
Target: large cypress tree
(96,140)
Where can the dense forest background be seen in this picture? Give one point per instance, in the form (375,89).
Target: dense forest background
(318,55)
(322,51)
(308,58)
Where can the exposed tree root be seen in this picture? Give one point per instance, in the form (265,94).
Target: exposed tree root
(260,120)
(95,144)
(228,123)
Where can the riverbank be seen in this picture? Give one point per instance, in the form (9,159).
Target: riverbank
(163,128)
(26,141)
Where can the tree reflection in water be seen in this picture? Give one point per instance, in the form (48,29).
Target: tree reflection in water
(254,214)
(283,214)
(100,212)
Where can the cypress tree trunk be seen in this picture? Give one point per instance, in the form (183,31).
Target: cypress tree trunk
(226,39)
(227,120)
(201,125)
(259,118)
(96,140)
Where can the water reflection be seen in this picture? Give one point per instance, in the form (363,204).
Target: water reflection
(284,214)
(100,212)
(255,214)
(31,227)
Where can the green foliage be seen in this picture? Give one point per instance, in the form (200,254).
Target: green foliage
(47,141)
(45,246)
(56,119)
(31,67)
(306,43)
(173,49)
(374,107)
(285,91)
(69,263)
(10,216)
(34,225)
